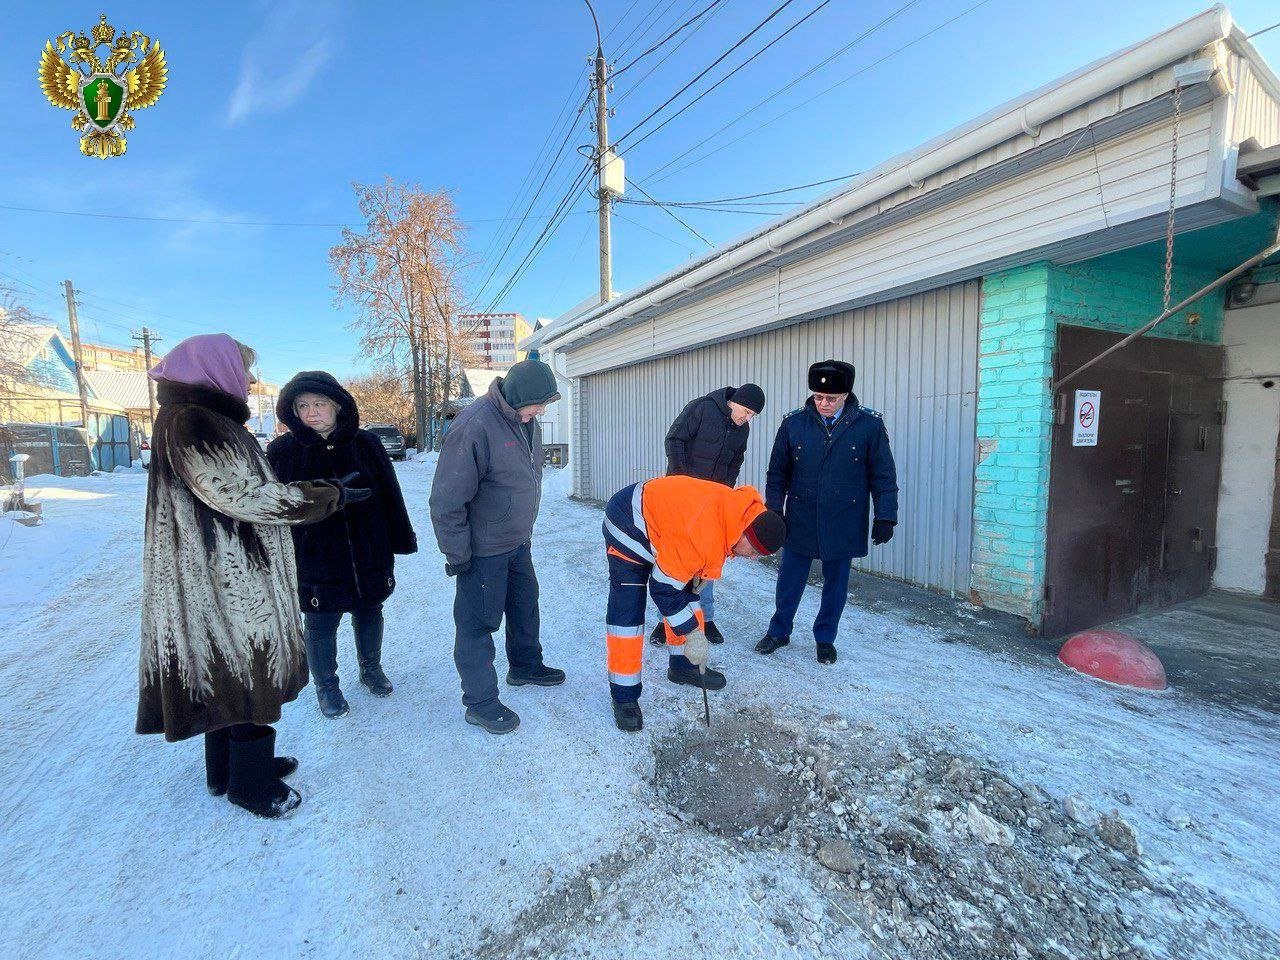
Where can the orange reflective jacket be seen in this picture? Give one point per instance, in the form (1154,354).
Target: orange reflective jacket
(693,524)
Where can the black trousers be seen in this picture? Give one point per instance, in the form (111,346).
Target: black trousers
(494,589)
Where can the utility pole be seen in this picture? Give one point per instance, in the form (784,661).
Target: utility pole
(74,321)
(604,157)
(148,338)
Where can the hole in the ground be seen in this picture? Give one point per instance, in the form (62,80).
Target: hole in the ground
(743,774)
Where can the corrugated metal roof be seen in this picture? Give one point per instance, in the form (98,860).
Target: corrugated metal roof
(128,388)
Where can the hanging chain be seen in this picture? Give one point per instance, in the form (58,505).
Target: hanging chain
(1173,196)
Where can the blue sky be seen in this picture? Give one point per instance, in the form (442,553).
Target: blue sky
(272,109)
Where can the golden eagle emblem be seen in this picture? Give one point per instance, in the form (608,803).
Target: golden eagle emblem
(103,93)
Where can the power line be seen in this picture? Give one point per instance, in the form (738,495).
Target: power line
(642,24)
(534,199)
(1258,33)
(562,116)
(698,206)
(621,20)
(662,236)
(668,55)
(670,213)
(766,193)
(211,221)
(674,33)
(728,75)
(574,191)
(822,93)
(785,87)
(754,30)
(739,209)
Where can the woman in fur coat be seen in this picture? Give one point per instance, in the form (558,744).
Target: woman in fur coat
(221,631)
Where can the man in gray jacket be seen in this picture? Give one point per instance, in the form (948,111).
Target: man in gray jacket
(484,501)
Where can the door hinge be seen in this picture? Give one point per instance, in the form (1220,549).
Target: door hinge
(1222,412)
(1197,540)
(1202,438)
(1060,410)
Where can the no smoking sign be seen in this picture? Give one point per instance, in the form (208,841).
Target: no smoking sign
(1085,427)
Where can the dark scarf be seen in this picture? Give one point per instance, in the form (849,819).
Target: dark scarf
(169,392)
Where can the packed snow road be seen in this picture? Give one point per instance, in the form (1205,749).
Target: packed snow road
(908,802)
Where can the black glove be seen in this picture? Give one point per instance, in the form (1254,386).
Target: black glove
(347,494)
(882,531)
(456,569)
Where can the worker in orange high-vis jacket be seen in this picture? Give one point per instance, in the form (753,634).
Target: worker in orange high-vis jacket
(672,535)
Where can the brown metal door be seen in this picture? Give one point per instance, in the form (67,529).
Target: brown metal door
(1131,520)
(1191,501)
(1105,502)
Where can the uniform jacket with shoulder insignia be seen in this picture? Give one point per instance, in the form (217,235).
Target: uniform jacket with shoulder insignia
(825,479)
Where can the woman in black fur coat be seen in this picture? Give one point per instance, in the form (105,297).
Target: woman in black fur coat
(346,563)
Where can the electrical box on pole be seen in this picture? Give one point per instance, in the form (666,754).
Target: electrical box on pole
(613,177)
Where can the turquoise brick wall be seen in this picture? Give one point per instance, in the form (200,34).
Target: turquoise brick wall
(1021,309)
(1015,357)
(1124,290)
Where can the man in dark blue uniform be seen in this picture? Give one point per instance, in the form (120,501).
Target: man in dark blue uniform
(831,460)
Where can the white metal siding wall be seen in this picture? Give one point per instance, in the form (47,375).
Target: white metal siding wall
(917,364)
(1127,180)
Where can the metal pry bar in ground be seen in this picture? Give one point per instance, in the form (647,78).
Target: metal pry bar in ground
(706,704)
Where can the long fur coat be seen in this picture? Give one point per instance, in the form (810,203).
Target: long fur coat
(221,630)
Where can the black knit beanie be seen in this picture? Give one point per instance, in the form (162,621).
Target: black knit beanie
(750,396)
(767,532)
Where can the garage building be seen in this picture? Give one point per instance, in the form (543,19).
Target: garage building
(962,278)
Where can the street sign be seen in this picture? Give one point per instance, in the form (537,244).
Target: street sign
(1084,432)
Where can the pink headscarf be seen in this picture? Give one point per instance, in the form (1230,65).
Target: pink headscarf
(208,360)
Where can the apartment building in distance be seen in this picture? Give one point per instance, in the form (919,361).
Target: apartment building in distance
(98,357)
(494,337)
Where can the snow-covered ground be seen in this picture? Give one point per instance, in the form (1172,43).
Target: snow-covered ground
(420,836)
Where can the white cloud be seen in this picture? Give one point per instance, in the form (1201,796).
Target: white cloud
(281,60)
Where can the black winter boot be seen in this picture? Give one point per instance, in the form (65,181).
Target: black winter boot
(659,635)
(217,761)
(826,653)
(769,644)
(332,703)
(371,676)
(628,716)
(493,717)
(539,676)
(253,783)
(688,675)
(322,659)
(713,632)
(369,653)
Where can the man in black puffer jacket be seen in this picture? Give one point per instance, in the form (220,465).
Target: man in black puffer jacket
(346,564)
(709,441)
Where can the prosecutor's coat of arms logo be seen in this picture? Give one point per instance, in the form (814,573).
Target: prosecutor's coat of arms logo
(103,92)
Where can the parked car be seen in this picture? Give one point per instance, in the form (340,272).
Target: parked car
(391,437)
